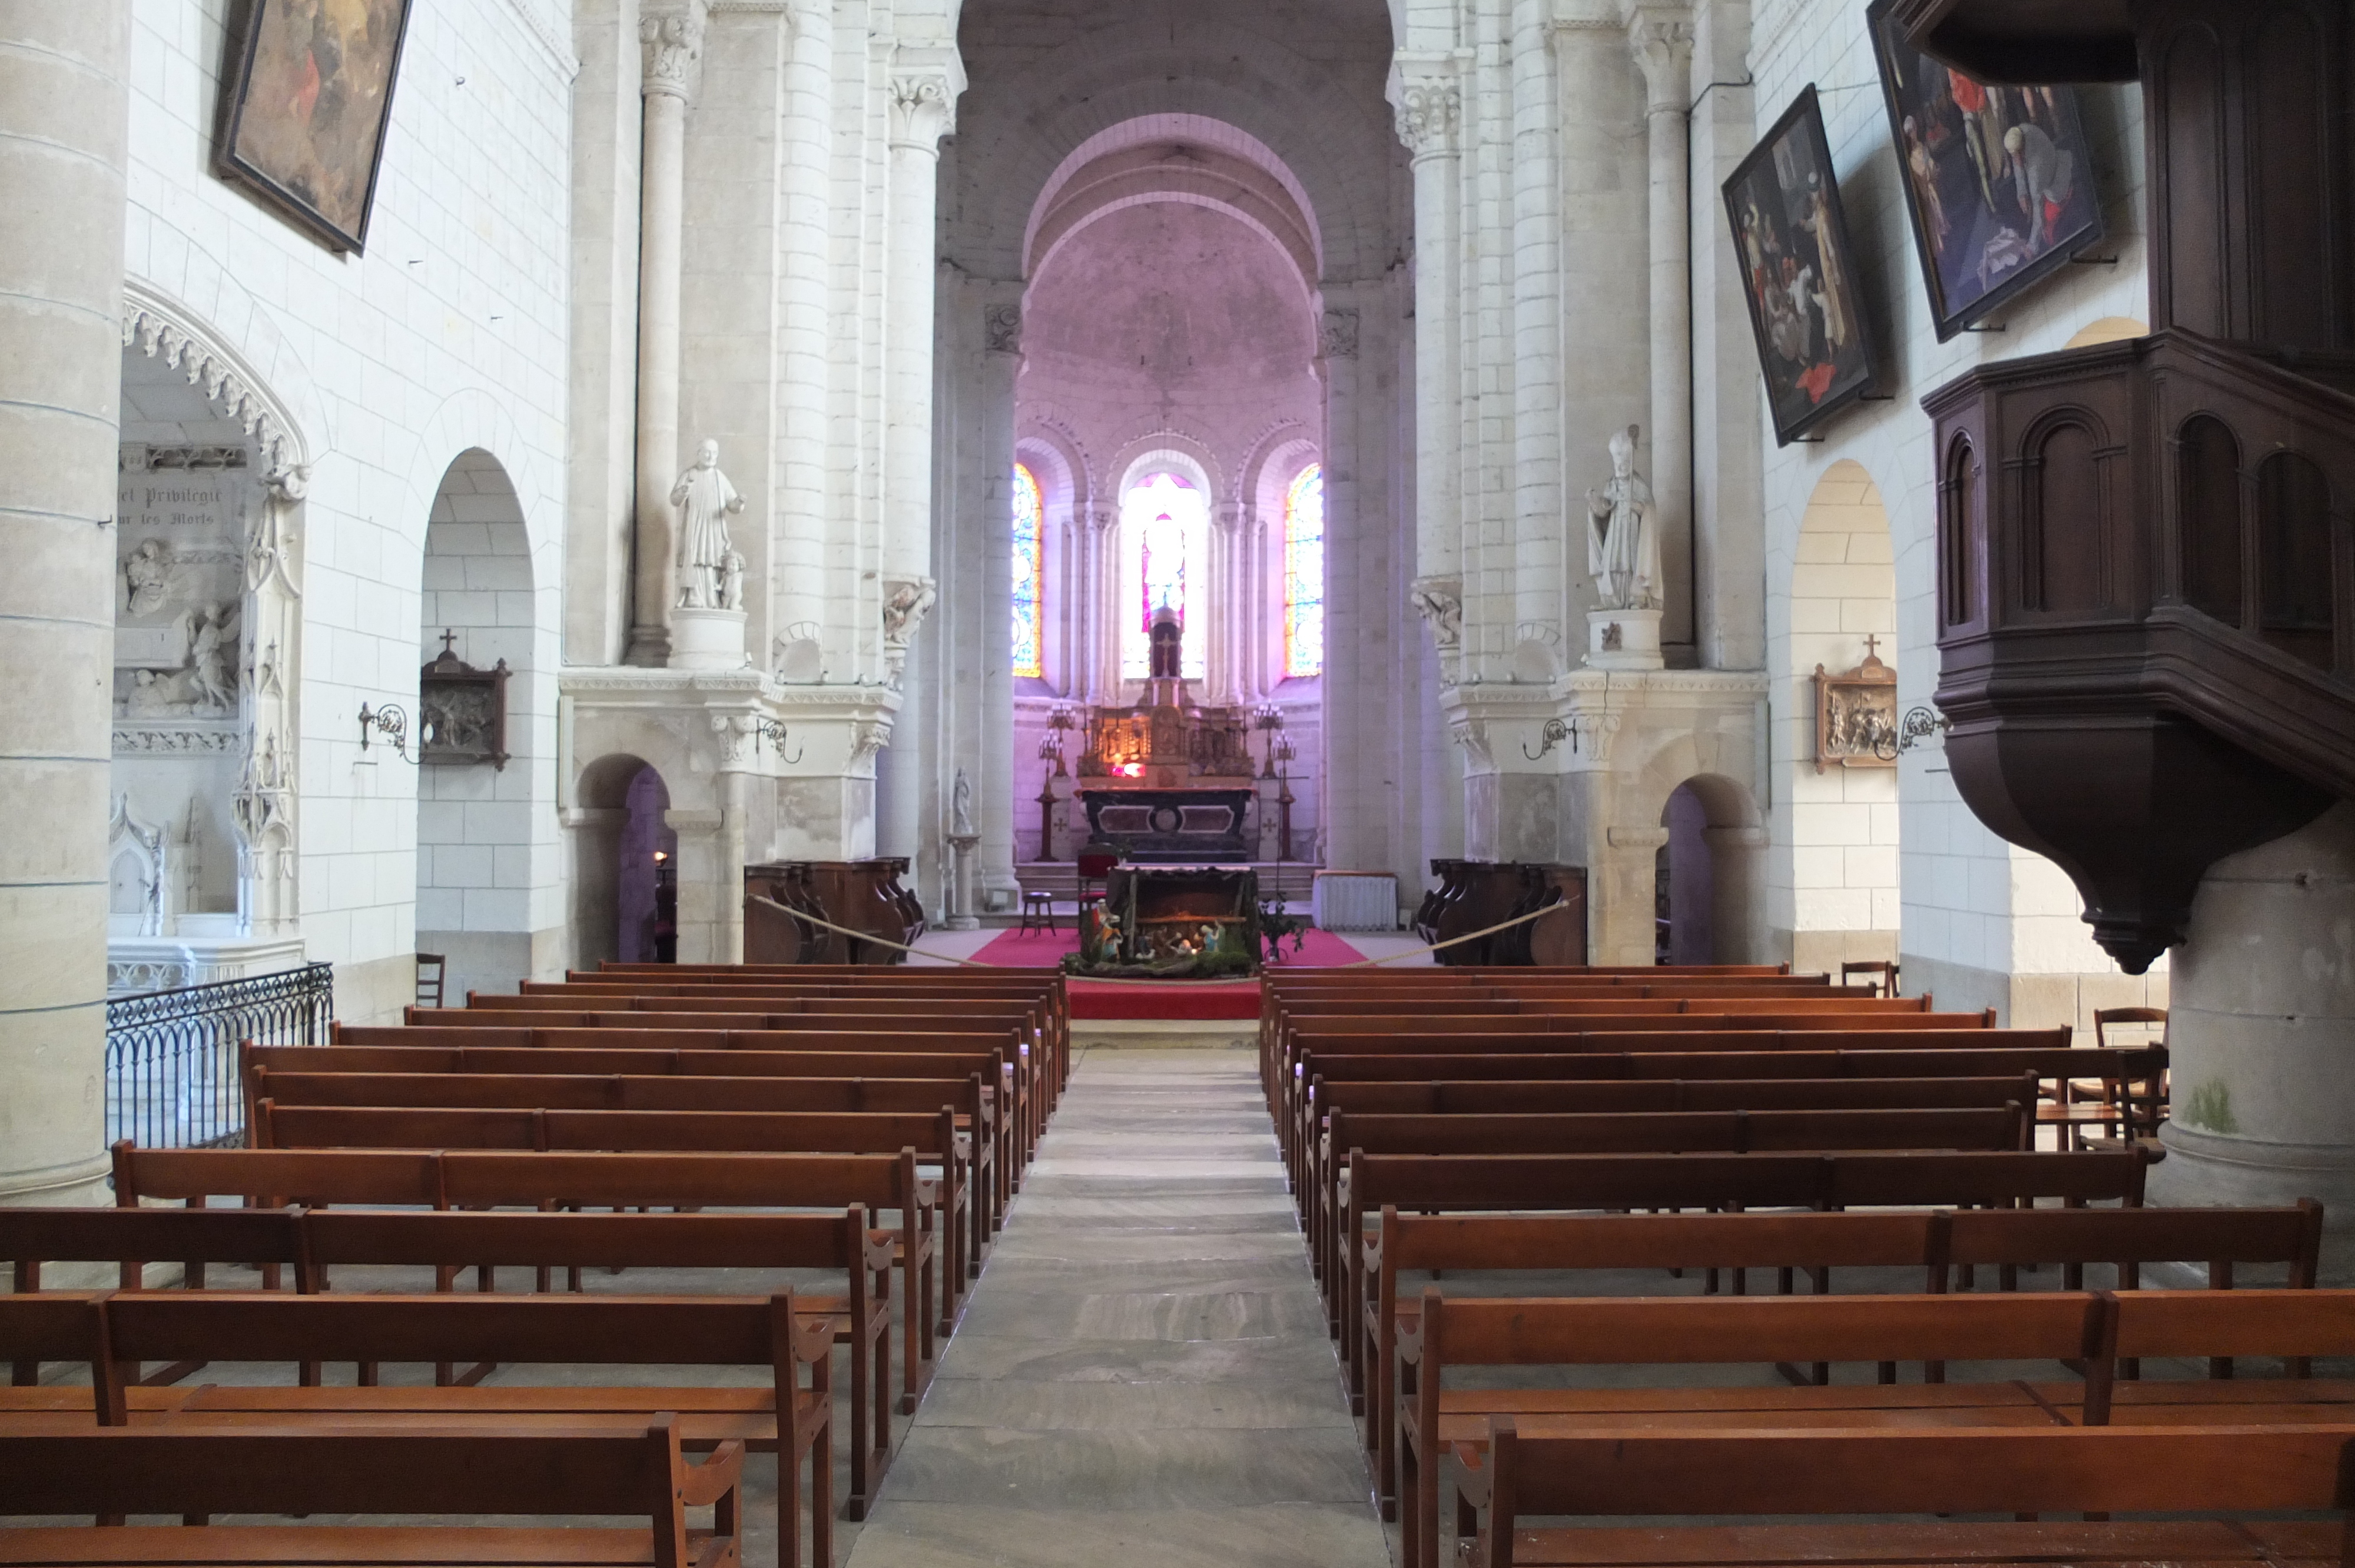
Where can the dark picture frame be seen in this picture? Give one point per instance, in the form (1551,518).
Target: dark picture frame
(1999,181)
(306,100)
(1800,275)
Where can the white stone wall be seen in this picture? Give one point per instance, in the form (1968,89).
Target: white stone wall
(1976,911)
(450,334)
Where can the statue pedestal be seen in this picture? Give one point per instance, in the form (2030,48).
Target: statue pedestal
(1622,639)
(960,900)
(706,640)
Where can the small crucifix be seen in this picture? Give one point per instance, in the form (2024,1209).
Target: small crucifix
(1871,646)
(448,639)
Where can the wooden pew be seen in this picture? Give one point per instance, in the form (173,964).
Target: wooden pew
(794,1416)
(1440,1020)
(1473,1183)
(1943,1244)
(693,1052)
(1473,1035)
(775,1031)
(465,1178)
(1817,1053)
(1593,1095)
(1355,1134)
(574,1471)
(309,1242)
(1434,1422)
(932,1137)
(965,1101)
(1539,1466)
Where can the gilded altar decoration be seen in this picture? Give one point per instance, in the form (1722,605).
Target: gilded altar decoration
(1856,715)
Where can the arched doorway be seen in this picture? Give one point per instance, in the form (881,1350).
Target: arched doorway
(1706,875)
(1835,894)
(476,824)
(625,865)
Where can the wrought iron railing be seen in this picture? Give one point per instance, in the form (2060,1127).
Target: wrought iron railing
(171,1055)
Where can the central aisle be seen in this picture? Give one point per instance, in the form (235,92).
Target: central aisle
(1142,1378)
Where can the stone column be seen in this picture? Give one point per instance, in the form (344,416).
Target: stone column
(1663,43)
(673,42)
(1001,358)
(1099,530)
(803,574)
(923,92)
(2260,1031)
(64,123)
(1430,103)
(1540,596)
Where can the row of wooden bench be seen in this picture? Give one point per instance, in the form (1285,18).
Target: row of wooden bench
(1380,1149)
(909,1096)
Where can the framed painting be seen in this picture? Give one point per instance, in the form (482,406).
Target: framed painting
(1800,274)
(1999,180)
(307,93)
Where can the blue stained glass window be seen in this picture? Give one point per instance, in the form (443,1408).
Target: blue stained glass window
(1029,564)
(1304,573)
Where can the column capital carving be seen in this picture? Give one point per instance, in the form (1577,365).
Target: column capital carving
(922,91)
(1662,41)
(1428,95)
(1002,327)
(671,42)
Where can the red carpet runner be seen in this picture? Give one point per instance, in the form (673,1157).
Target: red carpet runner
(1208,999)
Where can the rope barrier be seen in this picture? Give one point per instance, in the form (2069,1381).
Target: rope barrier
(976,964)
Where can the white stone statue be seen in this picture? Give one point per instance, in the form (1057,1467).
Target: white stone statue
(147,577)
(703,498)
(961,807)
(731,580)
(1622,541)
(1440,601)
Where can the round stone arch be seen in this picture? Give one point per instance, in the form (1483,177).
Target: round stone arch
(1689,794)
(1281,100)
(604,830)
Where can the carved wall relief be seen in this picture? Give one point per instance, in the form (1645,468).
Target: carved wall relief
(1856,715)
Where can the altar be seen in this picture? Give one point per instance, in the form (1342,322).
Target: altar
(1168,781)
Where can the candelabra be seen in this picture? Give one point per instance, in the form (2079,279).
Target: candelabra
(1282,753)
(1268,719)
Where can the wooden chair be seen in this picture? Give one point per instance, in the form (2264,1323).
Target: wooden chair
(112,1473)
(1883,970)
(432,968)
(2112,1110)
(1037,909)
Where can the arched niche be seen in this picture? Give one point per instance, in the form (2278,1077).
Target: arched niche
(1834,883)
(475,826)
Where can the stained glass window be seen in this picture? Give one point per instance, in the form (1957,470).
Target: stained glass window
(1029,563)
(1304,573)
(1165,524)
